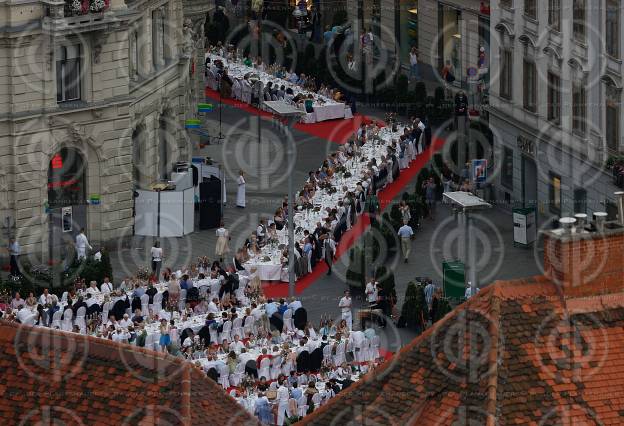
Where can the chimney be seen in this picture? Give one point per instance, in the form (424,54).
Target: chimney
(585,263)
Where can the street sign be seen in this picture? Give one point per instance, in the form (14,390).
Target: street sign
(479,171)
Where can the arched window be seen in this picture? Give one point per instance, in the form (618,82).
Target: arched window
(66,179)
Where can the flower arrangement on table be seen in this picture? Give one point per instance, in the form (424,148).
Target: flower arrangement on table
(390,118)
(97,5)
(347,175)
(143,273)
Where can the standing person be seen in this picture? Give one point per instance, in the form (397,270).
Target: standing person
(14,253)
(430,196)
(371,292)
(240,193)
(330,251)
(406,233)
(81,245)
(283,395)
(414,71)
(157,256)
(222,247)
(345,308)
(165,338)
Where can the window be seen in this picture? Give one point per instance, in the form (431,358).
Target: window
(580,200)
(68,73)
(578,107)
(613,119)
(554,14)
(554,98)
(507,168)
(554,193)
(578,25)
(612,28)
(530,8)
(506,73)
(506,3)
(158,37)
(134,55)
(530,85)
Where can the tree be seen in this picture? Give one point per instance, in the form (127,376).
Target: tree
(385,277)
(443,308)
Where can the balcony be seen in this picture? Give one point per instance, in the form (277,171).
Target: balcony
(78,16)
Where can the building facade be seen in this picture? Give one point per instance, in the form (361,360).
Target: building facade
(555,103)
(451,30)
(95,97)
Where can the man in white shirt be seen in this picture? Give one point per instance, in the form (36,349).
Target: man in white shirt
(125,321)
(157,255)
(93,288)
(371,291)
(406,233)
(213,308)
(329,251)
(294,304)
(469,293)
(282,403)
(106,286)
(345,308)
(237,346)
(45,298)
(256,312)
(82,244)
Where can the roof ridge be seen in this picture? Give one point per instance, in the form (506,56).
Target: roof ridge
(494,329)
(479,297)
(90,339)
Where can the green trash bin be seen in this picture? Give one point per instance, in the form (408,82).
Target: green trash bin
(454,278)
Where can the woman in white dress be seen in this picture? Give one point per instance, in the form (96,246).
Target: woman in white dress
(240,193)
(222,247)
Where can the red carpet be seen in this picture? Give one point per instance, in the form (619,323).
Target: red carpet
(279,289)
(337,131)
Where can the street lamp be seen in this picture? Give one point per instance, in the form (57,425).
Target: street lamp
(468,203)
(291,114)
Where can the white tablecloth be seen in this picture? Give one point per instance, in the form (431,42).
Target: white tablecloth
(329,111)
(266,271)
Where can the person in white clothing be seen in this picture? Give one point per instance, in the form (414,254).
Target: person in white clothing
(371,291)
(240,193)
(106,286)
(45,298)
(82,243)
(283,395)
(345,308)
(157,256)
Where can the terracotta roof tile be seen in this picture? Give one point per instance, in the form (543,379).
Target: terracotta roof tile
(76,379)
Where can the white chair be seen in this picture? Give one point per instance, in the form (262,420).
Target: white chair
(236,89)
(80,319)
(64,297)
(224,375)
(288,320)
(264,370)
(375,343)
(339,358)
(246,92)
(316,399)
(276,367)
(106,309)
(156,301)
(145,304)
(203,291)
(249,325)
(287,367)
(225,333)
(237,376)
(67,322)
(365,351)
(302,406)
(237,327)
(56,319)
(182,300)
(214,338)
(327,354)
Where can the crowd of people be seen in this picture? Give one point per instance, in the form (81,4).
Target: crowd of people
(296,89)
